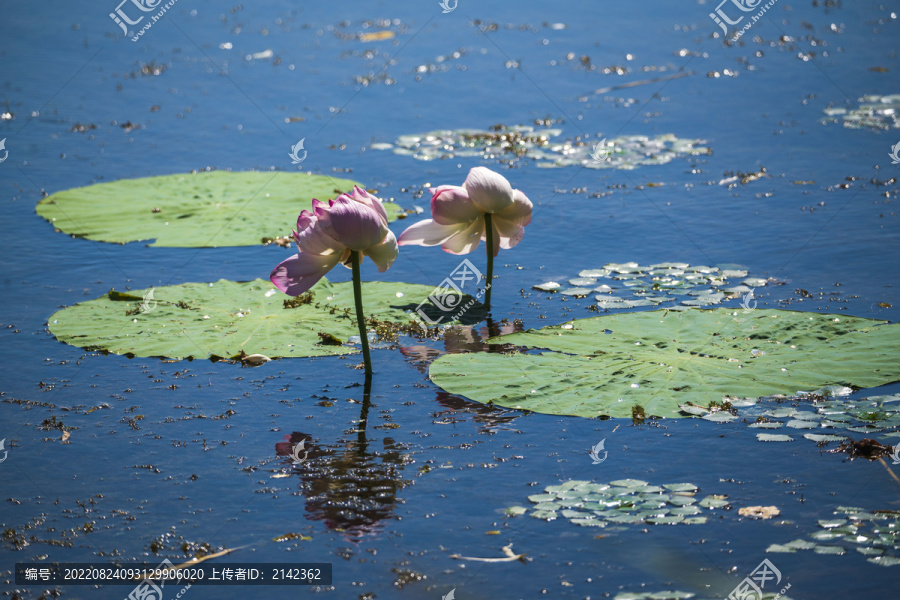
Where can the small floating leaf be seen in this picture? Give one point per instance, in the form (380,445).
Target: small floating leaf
(799,424)
(829,550)
(773,437)
(714,501)
(719,417)
(816,437)
(629,483)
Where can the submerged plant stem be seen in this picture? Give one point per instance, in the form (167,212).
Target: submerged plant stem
(355,258)
(489,229)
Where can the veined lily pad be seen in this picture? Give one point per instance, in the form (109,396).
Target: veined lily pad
(193,210)
(698,356)
(223,318)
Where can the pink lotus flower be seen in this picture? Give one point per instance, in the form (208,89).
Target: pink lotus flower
(355,222)
(458,223)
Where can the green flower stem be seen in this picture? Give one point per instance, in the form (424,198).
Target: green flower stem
(355,258)
(489,228)
(364,416)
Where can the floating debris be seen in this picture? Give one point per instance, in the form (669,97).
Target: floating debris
(865,448)
(253,360)
(759,512)
(527,142)
(507,551)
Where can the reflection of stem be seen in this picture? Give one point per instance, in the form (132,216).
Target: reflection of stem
(360,319)
(364,415)
(491,329)
(489,228)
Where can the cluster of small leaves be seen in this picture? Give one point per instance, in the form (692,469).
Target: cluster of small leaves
(874,534)
(873,112)
(826,411)
(510,143)
(625,502)
(676,286)
(678,595)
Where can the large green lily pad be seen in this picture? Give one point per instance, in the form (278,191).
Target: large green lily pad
(602,366)
(199,320)
(192,210)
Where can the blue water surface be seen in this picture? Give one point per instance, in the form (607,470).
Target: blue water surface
(390,495)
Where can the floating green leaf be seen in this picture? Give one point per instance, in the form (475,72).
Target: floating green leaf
(192,210)
(773,437)
(221,319)
(661,359)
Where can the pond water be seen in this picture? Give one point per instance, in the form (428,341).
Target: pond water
(189,457)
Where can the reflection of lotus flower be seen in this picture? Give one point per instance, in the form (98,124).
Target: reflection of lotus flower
(355,222)
(458,223)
